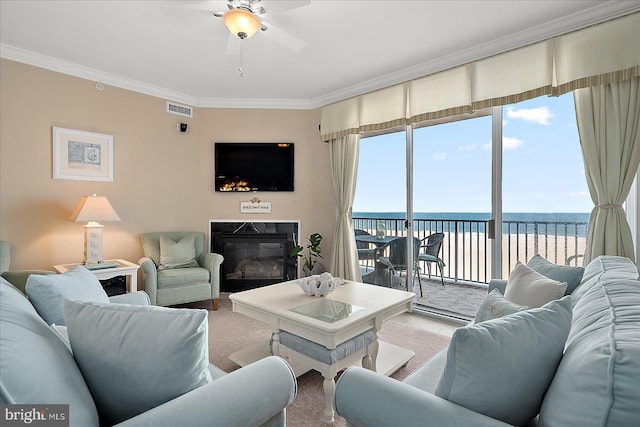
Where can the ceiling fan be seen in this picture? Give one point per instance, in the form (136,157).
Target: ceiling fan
(244,18)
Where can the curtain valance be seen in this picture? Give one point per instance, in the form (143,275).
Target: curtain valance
(604,53)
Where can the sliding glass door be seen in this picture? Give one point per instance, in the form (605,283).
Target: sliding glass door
(379,210)
(452,180)
(451,209)
(544,190)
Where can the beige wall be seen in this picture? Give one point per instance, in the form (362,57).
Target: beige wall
(163,179)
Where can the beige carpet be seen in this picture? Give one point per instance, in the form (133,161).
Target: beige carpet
(230,332)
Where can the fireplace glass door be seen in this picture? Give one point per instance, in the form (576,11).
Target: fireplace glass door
(251,259)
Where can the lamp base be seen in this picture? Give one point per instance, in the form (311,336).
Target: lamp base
(92,243)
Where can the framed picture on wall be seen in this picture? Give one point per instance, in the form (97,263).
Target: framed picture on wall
(81,155)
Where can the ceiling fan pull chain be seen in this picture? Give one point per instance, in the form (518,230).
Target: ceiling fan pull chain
(240,69)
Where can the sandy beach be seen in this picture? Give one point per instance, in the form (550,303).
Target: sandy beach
(467,255)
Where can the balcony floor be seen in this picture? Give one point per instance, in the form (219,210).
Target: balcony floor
(458,300)
(451,299)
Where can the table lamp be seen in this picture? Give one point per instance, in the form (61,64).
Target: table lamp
(92,209)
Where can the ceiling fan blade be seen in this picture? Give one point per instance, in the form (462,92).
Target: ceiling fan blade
(284,6)
(284,38)
(188,8)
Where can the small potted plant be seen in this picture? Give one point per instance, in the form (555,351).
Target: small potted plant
(311,265)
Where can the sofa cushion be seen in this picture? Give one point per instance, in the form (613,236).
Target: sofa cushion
(528,287)
(180,254)
(35,366)
(502,367)
(562,273)
(495,305)
(47,292)
(139,355)
(596,383)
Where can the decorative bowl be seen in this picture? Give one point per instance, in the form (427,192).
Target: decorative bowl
(319,285)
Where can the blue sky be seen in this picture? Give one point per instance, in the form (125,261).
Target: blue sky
(542,164)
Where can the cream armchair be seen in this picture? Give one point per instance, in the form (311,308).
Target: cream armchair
(177,270)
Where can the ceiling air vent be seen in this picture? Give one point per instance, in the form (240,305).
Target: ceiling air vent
(181,110)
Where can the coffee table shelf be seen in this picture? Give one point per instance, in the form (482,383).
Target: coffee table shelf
(390,358)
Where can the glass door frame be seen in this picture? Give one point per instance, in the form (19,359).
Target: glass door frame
(496,195)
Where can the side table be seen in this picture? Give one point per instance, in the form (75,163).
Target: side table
(124,268)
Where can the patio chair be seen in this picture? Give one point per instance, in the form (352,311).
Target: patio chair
(396,261)
(365,252)
(431,253)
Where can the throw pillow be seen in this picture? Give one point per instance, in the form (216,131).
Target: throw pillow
(135,358)
(180,254)
(495,305)
(528,287)
(503,367)
(47,292)
(562,273)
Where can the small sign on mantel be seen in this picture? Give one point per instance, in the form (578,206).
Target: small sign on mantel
(255,206)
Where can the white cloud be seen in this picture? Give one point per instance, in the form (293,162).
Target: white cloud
(468,147)
(440,156)
(540,115)
(508,143)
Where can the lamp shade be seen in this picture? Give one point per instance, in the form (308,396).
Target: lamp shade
(242,24)
(94,208)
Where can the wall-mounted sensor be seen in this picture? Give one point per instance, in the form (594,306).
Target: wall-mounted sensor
(182,127)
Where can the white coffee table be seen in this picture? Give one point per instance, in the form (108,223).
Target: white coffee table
(273,305)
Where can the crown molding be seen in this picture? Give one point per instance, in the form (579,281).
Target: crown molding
(256,103)
(594,15)
(87,73)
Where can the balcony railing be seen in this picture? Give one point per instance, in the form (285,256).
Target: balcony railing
(466,249)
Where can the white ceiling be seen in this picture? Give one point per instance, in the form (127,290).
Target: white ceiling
(176,49)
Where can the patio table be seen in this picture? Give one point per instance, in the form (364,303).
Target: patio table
(368,238)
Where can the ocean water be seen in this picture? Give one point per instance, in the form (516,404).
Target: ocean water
(562,223)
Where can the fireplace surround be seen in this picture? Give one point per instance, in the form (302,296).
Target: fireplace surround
(255,253)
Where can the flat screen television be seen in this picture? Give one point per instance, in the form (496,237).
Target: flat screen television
(256,166)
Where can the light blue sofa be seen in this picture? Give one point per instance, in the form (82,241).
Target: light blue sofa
(595,384)
(36,367)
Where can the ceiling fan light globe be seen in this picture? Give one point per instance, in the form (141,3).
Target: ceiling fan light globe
(241,23)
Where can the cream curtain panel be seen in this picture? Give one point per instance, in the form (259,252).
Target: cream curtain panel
(344,172)
(609,125)
(601,54)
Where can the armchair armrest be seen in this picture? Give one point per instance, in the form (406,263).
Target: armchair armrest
(249,396)
(365,398)
(149,277)
(134,298)
(498,284)
(18,278)
(212,261)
